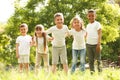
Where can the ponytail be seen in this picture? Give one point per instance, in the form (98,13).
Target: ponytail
(45,41)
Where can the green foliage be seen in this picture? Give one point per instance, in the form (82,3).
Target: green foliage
(107,74)
(109,34)
(38,12)
(108,53)
(4,48)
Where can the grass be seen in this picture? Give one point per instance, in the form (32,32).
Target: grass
(107,74)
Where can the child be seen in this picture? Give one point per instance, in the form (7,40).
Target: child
(59,32)
(93,40)
(78,45)
(40,40)
(23,43)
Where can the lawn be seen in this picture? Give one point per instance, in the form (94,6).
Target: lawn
(107,74)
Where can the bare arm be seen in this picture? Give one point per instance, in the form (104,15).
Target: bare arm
(17,51)
(99,36)
(99,41)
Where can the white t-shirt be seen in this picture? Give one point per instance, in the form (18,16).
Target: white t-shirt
(92,32)
(58,35)
(24,44)
(78,39)
(40,45)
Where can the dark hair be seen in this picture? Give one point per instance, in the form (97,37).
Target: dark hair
(40,27)
(92,11)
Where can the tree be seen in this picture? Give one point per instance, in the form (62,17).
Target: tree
(37,12)
(118,2)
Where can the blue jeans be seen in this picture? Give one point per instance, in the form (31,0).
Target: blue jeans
(75,54)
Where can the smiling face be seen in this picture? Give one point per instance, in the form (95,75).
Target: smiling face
(23,30)
(39,30)
(59,20)
(77,24)
(91,16)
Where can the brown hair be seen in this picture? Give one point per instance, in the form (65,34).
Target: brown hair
(24,25)
(58,14)
(40,27)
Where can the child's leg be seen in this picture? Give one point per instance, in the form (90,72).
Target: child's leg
(20,61)
(55,58)
(38,61)
(26,62)
(90,51)
(98,57)
(20,67)
(65,67)
(82,59)
(63,58)
(53,68)
(74,59)
(26,66)
(46,61)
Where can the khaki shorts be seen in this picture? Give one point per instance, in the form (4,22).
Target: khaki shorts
(23,59)
(39,58)
(59,52)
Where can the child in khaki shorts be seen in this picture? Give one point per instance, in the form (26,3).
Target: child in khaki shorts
(59,32)
(23,43)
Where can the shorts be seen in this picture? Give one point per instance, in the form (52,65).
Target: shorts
(23,59)
(59,52)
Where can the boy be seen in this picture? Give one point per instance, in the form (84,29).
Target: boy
(23,43)
(58,44)
(93,40)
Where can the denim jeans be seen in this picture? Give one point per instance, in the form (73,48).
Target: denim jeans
(75,54)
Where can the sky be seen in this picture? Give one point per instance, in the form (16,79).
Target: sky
(6,9)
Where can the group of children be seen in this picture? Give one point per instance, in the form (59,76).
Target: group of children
(88,39)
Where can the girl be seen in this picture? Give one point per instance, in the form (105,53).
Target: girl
(78,45)
(40,41)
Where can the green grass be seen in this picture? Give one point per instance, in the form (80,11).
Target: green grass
(107,74)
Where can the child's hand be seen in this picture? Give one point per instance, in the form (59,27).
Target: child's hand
(51,38)
(33,42)
(98,48)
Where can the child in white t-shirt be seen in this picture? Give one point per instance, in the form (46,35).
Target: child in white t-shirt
(78,46)
(40,41)
(93,41)
(59,32)
(23,43)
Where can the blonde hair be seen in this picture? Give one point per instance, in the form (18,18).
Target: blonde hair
(79,19)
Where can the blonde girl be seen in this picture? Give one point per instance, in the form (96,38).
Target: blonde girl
(78,45)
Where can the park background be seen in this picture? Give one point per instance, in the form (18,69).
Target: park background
(35,12)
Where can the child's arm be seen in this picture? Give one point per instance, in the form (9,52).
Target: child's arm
(49,38)
(99,36)
(33,41)
(67,32)
(17,53)
(99,41)
(85,34)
